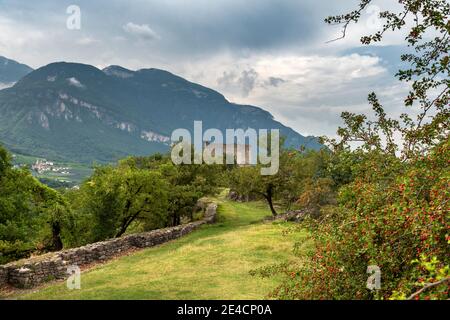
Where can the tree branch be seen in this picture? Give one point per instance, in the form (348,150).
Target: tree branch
(352,17)
(428,286)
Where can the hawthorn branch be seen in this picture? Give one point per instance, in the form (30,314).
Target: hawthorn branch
(428,286)
(354,17)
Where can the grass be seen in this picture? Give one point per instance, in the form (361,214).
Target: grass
(211,263)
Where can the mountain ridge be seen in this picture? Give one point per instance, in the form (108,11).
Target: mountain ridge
(76,111)
(11,71)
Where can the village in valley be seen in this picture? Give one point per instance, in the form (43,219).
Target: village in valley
(52,173)
(42,165)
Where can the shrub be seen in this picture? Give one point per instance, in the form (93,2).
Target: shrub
(395,217)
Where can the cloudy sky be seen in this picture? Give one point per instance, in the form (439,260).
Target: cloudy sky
(269,53)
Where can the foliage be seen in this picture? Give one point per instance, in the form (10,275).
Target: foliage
(188,183)
(139,194)
(32,216)
(430,273)
(383,222)
(429,75)
(317,193)
(393,209)
(297,170)
(115,197)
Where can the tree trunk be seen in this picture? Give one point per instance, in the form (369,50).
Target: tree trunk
(272,209)
(126,224)
(175,220)
(122,230)
(269,196)
(57,244)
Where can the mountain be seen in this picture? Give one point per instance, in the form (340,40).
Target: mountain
(76,112)
(11,72)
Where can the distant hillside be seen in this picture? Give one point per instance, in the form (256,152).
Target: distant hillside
(11,71)
(76,112)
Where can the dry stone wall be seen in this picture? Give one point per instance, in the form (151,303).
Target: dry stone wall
(32,272)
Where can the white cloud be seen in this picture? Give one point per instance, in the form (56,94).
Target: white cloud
(299,78)
(142,31)
(74,82)
(307,92)
(86,41)
(15,36)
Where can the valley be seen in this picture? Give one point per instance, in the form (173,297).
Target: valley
(54,174)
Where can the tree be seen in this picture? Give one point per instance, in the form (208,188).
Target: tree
(428,27)
(182,201)
(188,183)
(393,196)
(27,219)
(139,194)
(5,161)
(394,209)
(285,186)
(114,198)
(57,216)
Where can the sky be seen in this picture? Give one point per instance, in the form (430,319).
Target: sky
(274,54)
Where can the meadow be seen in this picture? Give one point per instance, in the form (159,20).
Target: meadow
(211,263)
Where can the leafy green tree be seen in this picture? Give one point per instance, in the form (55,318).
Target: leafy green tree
(188,183)
(116,197)
(5,161)
(139,194)
(28,221)
(182,201)
(283,187)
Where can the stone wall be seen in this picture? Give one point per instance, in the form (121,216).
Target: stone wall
(34,271)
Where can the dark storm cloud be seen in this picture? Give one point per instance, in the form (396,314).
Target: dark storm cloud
(195,26)
(182,28)
(207,26)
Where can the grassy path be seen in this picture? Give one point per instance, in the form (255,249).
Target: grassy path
(211,263)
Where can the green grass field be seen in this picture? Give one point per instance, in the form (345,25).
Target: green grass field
(211,263)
